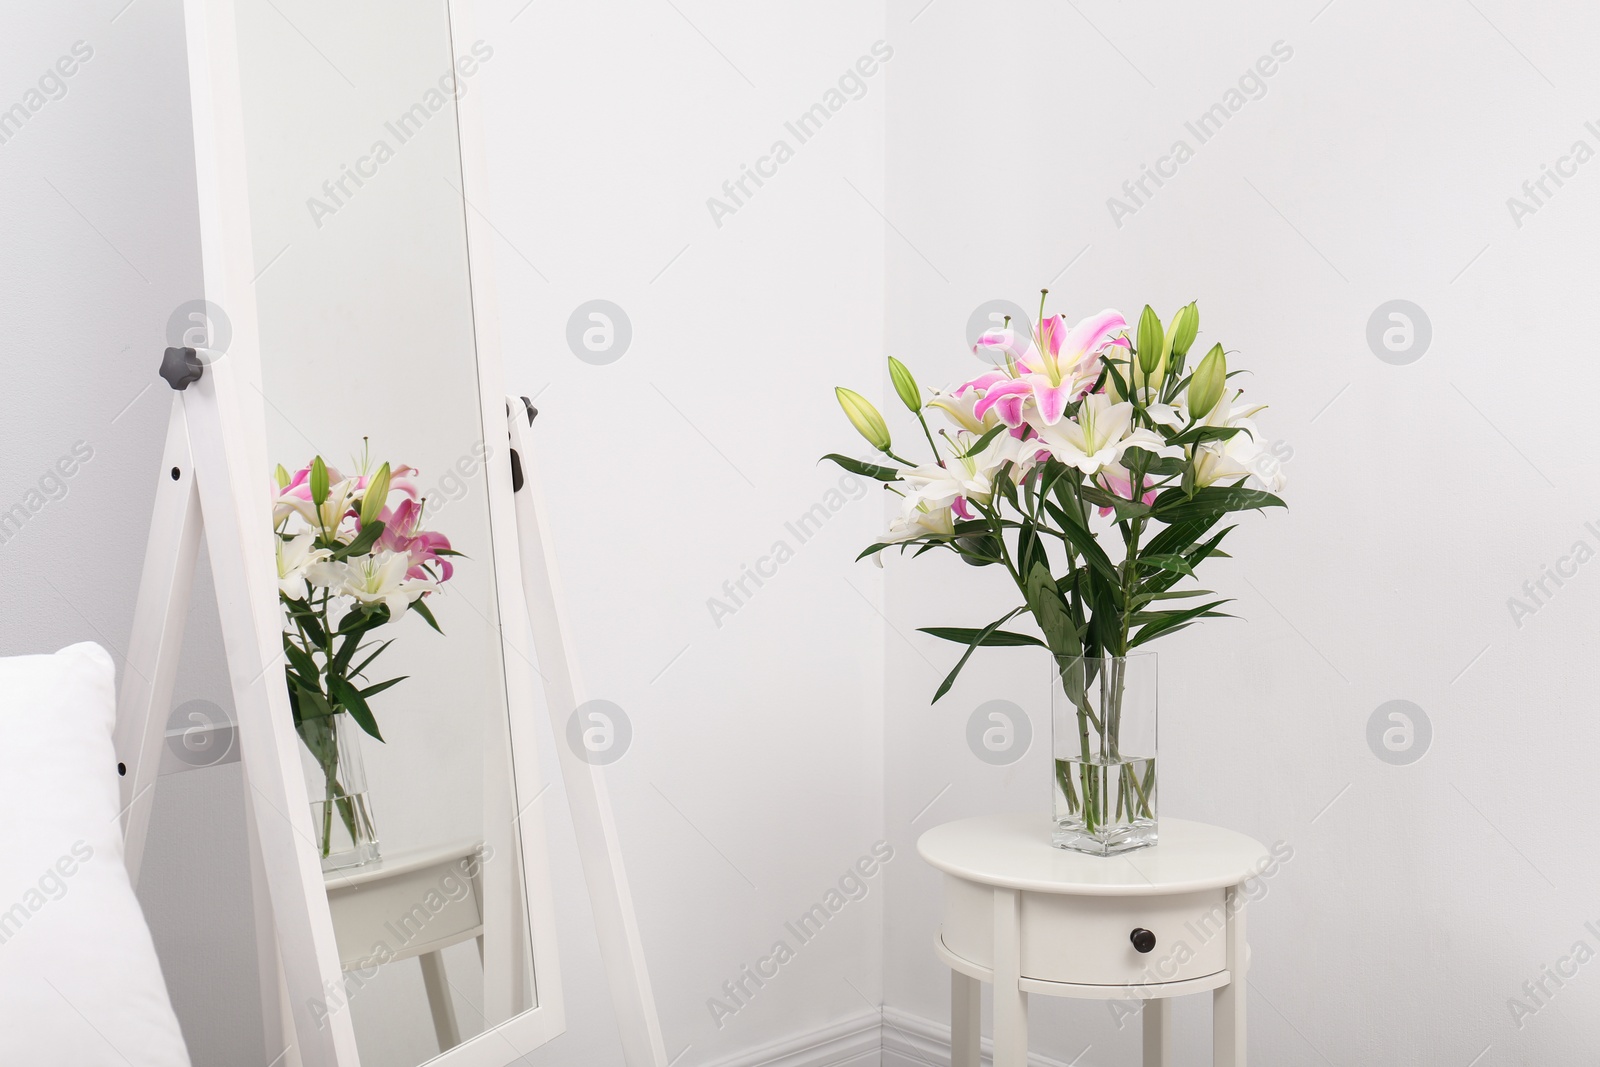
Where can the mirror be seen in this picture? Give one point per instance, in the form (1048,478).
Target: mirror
(368,358)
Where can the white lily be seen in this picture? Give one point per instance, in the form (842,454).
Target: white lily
(295,557)
(1167,415)
(966,476)
(921,519)
(1239,456)
(1098,435)
(374,579)
(958,409)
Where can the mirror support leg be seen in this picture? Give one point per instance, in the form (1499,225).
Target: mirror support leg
(439,1002)
(171,556)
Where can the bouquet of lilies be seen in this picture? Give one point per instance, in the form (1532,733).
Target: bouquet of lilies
(1093,465)
(352,557)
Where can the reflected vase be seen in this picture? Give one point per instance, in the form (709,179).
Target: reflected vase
(1103,713)
(341,817)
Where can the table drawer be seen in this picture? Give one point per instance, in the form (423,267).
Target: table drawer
(405,914)
(1088,939)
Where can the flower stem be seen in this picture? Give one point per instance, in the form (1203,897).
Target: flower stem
(327,820)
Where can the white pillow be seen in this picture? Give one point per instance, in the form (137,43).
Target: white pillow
(79,979)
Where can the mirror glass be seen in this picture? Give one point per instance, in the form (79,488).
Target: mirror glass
(368,358)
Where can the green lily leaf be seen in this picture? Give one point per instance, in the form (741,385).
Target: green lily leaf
(950,679)
(1213,500)
(1089,548)
(374,690)
(363,543)
(873,550)
(1124,509)
(350,698)
(427,614)
(1206,433)
(299,659)
(1168,563)
(1050,613)
(866,470)
(355,672)
(963,635)
(1167,621)
(313,705)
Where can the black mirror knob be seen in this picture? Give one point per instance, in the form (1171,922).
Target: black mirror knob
(1143,939)
(180,366)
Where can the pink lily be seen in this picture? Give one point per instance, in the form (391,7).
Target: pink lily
(1061,367)
(400,534)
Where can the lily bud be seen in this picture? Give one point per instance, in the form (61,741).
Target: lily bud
(377,492)
(1205,387)
(1181,331)
(864,417)
(905,385)
(319,481)
(281,476)
(1152,342)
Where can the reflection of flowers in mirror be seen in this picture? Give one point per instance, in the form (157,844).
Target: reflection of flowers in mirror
(352,556)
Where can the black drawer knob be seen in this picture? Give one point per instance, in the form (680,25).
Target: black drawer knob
(1143,939)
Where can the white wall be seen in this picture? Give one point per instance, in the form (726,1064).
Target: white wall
(752,783)
(1375,167)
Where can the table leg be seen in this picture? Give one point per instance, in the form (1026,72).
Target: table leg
(966,1015)
(1227,1003)
(439,1002)
(1010,1002)
(1158,1032)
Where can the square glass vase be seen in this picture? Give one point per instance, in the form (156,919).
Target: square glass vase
(336,778)
(1103,716)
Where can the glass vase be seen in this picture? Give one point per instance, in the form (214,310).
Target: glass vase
(341,817)
(1103,711)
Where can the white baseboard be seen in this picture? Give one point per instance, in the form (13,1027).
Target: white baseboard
(913,1041)
(892,1038)
(850,1042)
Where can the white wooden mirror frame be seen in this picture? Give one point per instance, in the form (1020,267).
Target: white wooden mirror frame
(216,452)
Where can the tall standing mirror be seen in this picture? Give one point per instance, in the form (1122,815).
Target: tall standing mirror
(369,375)
(388,674)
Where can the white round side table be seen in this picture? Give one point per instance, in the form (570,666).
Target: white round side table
(1146,925)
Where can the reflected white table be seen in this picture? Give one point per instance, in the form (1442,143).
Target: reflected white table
(1144,926)
(416,903)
